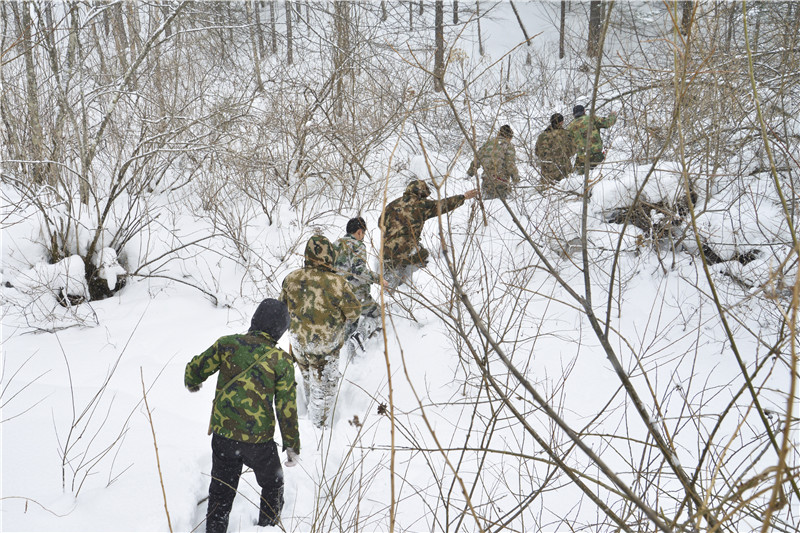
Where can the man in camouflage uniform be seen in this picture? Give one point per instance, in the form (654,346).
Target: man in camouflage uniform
(253,373)
(580,129)
(402,222)
(321,304)
(351,263)
(498,159)
(554,148)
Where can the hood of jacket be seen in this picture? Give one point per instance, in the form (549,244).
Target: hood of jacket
(320,253)
(417,188)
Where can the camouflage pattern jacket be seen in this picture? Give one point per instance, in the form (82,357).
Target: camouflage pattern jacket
(320,302)
(555,148)
(580,126)
(351,263)
(498,159)
(253,373)
(402,223)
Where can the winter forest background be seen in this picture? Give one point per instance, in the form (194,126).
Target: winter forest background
(622,360)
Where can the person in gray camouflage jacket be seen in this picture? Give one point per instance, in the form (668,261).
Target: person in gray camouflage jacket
(321,304)
(402,221)
(499,161)
(351,263)
(253,373)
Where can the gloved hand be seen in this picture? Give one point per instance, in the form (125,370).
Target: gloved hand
(194,388)
(292,458)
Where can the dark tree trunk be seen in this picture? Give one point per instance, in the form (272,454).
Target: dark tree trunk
(686,16)
(595,23)
(289,58)
(438,61)
(478,17)
(273,26)
(562,29)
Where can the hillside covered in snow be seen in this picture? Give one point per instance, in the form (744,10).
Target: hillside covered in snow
(617,352)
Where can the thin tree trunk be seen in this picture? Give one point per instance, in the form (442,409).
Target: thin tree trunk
(341,52)
(259,30)
(686,16)
(384,13)
(478,17)
(133,28)
(757,33)
(410,16)
(32,94)
(165,11)
(731,15)
(273,26)
(120,37)
(438,61)
(289,58)
(595,20)
(562,29)
(72,42)
(250,14)
(524,33)
(455,11)
(99,49)
(12,143)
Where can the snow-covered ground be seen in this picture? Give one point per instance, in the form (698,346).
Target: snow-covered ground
(82,451)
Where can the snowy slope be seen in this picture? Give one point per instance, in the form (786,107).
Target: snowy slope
(78,451)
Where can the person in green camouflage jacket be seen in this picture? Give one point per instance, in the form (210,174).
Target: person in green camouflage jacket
(402,221)
(498,159)
(579,129)
(253,373)
(321,304)
(554,148)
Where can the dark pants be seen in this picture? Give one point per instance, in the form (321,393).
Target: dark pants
(594,160)
(228,458)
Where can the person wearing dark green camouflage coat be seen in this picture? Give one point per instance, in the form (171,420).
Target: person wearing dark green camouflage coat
(321,304)
(252,375)
(499,161)
(402,221)
(580,128)
(554,148)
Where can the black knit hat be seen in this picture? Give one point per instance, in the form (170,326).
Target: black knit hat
(578,111)
(506,132)
(272,317)
(556,119)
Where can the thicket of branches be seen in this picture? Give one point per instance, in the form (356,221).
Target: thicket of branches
(116,116)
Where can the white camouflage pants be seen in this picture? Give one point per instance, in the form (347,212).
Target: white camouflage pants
(320,383)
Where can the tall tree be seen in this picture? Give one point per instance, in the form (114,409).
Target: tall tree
(478,19)
(524,33)
(687,8)
(259,30)
(342,62)
(273,27)
(595,22)
(562,29)
(438,60)
(31,92)
(289,58)
(251,12)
